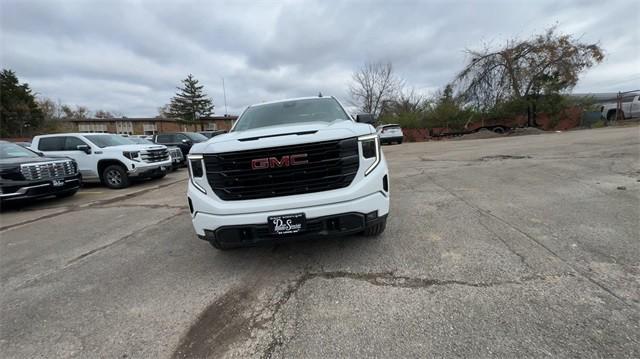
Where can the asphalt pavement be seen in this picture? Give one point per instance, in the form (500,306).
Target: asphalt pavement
(508,247)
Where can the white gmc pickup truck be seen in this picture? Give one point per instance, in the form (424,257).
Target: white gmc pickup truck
(110,159)
(290,169)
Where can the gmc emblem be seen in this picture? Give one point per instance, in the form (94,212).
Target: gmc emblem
(273,162)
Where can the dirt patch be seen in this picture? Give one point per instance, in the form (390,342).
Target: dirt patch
(481,134)
(502,157)
(526,131)
(218,327)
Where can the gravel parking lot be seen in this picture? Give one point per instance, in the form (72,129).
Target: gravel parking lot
(508,247)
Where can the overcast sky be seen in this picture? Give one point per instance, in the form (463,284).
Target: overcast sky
(128,56)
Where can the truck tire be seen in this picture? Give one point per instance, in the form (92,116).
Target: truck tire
(499,130)
(376,229)
(613,115)
(115,177)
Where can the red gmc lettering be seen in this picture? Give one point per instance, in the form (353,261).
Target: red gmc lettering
(284,161)
(260,163)
(299,159)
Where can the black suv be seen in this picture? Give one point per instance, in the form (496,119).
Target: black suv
(26,174)
(182,140)
(210,134)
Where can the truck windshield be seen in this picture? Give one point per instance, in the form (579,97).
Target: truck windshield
(196,137)
(107,140)
(289,112)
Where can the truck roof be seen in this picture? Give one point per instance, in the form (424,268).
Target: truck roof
(292,99)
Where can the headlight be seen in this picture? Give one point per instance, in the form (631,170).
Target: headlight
(370,149)
(132,155)
(196,170)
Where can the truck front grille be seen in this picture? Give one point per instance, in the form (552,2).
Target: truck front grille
(331,165)
(176,153)
(48,170)
(151,156)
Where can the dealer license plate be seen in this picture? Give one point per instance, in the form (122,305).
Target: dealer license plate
(287,224)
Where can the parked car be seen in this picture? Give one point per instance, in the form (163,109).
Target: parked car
(291,169)
(209,134)
(182,140)
(390,133)
(177,159)
(25,174)
(23,144)
(630,107)
(110,159)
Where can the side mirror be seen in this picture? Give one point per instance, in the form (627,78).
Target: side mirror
(365,118)
(84,148)
(185,141)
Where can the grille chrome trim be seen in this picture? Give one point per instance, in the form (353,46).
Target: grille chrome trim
(331,165)
(152,156)
(48,170)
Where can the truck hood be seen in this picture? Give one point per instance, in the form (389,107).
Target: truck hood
(122,148)
(16,162)
(286,135)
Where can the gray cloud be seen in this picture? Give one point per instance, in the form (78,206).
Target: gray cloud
(128,56)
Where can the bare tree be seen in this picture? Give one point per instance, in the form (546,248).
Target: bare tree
(107,114)
(546,64)
(407,100)
(373,85)
(79,113)
(164,111)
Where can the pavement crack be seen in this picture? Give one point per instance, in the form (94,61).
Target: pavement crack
(121,239)
(505,243)
(531,238)
(383,279)
(150,206)
(78,258)
(98,203)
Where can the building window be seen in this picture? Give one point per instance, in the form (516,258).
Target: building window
(149,128)
(92,127)
(124,127)
(212,126)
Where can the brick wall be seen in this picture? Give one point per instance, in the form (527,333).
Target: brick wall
(161,125)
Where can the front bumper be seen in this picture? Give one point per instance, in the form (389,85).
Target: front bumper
(13,191)
(322,227)
(146,169)
(391,139)
(366,194)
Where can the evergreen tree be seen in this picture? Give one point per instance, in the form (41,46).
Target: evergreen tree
(190,103)
(19,112)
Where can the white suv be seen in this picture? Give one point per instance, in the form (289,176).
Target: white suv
(299,168)
(110,159)
(390,133)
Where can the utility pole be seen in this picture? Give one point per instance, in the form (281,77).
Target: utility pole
(224,93)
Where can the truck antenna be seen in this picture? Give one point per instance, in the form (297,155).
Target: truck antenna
(224,92)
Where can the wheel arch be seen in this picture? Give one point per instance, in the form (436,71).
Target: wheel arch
(102,164)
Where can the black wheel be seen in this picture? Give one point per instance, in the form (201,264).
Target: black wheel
(376,229)
(115,176)
(400,142)
(612,115)
(66,193)
(498,130)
